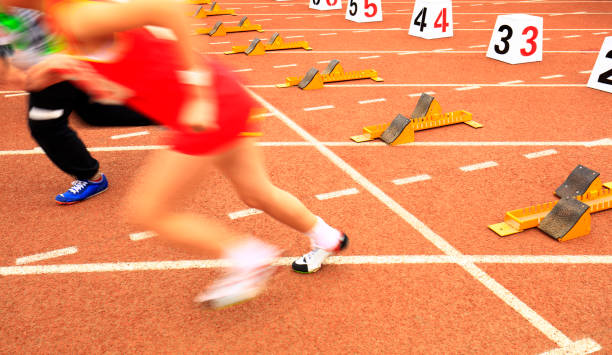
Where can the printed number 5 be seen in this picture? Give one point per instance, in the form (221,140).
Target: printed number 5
(353,6)
(373,8)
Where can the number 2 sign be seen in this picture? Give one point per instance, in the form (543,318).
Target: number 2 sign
(325,4)
(432,19)
(601,75)
(516,38)
(364,10)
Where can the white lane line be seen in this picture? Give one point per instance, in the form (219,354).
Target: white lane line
(286,5)
(500,291)
(264,19)
(340,193)
(361,31)
(263,115)
(220,42)
(292,18)
(476,5)
(233,8)
(11,91)
(580,347)
(478,21)
(600,33)
(409,52)
(323,61)
(259,7)
(402,10)
(542,153)
(327,34)
(418,94)
(142,235)
(486,164)
(370,57)
(585,72)
(128,135)
(322,15)
(332,260)
(242,70)
(464,88)
(545,39)
(412,179)
(372,101)
(571,36)
(18,94)
(285,66)
(601,142)
(479,46)
(299,36)
(318,108)
(511,82)
(552,76)
(442,50)
(47,255)
(244,213)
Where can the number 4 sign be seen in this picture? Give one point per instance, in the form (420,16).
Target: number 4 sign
(516,38)
(364,10)
(601,75)
(325,4)
(432,19)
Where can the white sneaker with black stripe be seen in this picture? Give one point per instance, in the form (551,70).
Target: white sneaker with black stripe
(311,262)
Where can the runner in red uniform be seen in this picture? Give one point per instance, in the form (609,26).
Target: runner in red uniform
(206,109)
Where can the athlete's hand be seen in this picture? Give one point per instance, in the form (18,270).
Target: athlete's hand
(199,114)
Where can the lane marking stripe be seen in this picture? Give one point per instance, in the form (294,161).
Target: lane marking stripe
(244,213)
(47,255)
(372,101)
(540,154)
(128,135)
(411,179)
(487,164)
(346,192)
(318,108)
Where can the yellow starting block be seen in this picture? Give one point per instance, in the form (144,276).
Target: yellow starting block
(567,218)
(214,10)
(256,114)
(427,114)
(219,29)
(334,72)
(275,43)
(198,2)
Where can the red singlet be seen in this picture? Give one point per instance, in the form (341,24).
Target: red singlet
(148,66)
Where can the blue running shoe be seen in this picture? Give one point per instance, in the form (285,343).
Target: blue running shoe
(82,190)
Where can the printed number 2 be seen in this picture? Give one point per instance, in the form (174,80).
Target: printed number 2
(605,76)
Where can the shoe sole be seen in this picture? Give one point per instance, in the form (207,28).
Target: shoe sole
(86,198)
(341,247)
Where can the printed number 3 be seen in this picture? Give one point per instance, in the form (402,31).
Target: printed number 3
(530,41)
(504,39)
(605,76)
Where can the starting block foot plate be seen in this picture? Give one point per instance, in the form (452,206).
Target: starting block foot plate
(567,220)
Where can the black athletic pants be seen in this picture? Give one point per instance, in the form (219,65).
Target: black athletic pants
(48,121)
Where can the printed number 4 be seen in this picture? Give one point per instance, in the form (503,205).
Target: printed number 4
(420,20)
(605,76)
(444,24)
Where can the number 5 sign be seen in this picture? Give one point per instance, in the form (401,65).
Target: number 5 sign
(325,4)
(432,19)
(364,10)
(516,38)
(601,75)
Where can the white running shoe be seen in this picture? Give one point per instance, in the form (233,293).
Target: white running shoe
(240,284)
(311,262)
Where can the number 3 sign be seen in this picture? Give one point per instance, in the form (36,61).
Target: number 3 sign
(432,19)
(364,10)
(325,4)
(601,75)
(516,39)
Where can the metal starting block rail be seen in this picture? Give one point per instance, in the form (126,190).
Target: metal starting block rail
(275,43)
(219,29)
(215,10)
(426,115)
(333,73)
(565,219)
